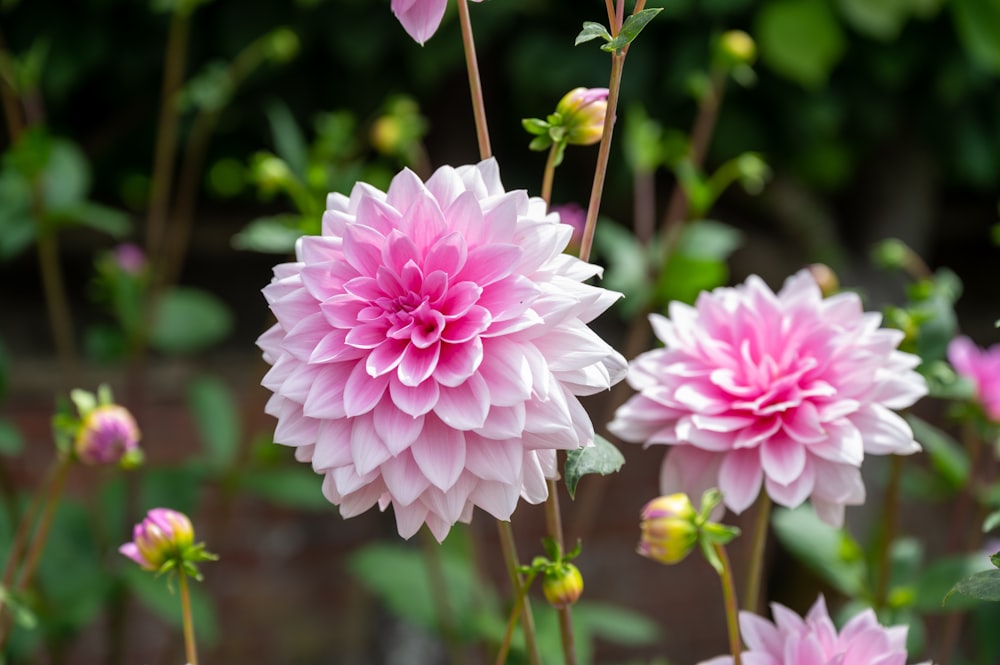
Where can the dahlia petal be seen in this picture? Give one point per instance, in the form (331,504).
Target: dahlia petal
(782,459)
(368,451)
(534,489)
(424,220)
(759,634)
(495,460)
(362,391)
(465,406)
(385,357)
(487,264)
(885,433)
(294,429)
(403,479)
(397,251)
(409,518)
(497,498)
(332,448)
(449,505)
(358,502)
(414,400)
(830,512)
(440,453)
(795,492)
(803,424)
(326,395)
(448,254)
(458,362)
(690,470)
(363,248)
(503,422)
(843,444)
(333,348)
(417,365)
(740,476)
(395,427)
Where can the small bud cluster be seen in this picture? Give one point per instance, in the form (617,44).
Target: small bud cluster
(578,120)
(671,527)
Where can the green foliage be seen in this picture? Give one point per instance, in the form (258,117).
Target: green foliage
(800,39)
(698,262)
(830,553)
(947,456)
(978,25)
(291,487)
(602,458)
(164,601)
(631,28)
(218,420)
(187,320)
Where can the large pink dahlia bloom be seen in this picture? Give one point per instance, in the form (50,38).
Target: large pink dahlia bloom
(814,640)
(788,390)
(982,368)
(420,18)
(430,347)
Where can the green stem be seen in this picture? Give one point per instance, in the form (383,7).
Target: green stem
(439,594)
(553,523)
(509,548)
(755,571)
(729,596)
(549,175)
(603,156)
(189,644)
(60,318)
(475,83)
(515,613)
(887,531)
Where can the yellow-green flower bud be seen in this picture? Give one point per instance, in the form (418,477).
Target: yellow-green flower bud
(738,47)
(562,585)
(164,534)
(669,529)
(582,111)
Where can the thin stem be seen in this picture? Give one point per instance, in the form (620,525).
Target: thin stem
(553,523)
(887,532)
(165,152)
(755,571)
(515,612)
(549,175)
(189,645)
(439,595)
(729,597)
(24,529)
(509,548)
(60,318)
(611,15)
(475,83)
(603,156)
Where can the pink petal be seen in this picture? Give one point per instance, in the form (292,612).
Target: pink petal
(740,476)
(417,365)
(440,453)
(362,392)
(458,362)
(420,18)
(782,459)
(414,400)
(403,479)
(395,427)
(465,406)
(488,263)
(367,449)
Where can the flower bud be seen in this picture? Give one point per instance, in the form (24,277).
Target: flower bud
(738,47)
(163,535)
(582,111)
(562,585)
(669,529)
(108,434)
(130,258)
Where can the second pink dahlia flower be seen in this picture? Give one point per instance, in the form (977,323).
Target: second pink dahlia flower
(787,391)
(430,346)
(814,640)
(982,368)
(420,18)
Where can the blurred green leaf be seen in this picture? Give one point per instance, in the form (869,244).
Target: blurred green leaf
(709,239)
(177,487)
(11,441)
(272,235)
(830,553)
(152,591)
(95,216)
(186,320)
(984,585)
(685,277)
(799,39)
(602,458)
(17,227)
(947,455)
(615,624)
(289,142)
(936,581)
(217,418)
(881,19)
(643,139)
(292,487)
(66,179)
(978,26)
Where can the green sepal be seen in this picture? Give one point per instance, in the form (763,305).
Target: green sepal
(711,498)
(552,549)
(540,143)
(711,555)
(535,126)
(719,533)
(560,148)
(84,401)
(575,552)
(104,395)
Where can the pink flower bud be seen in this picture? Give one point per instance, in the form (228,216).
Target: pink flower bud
(669,529)
(583,111)
(163,535)
(107,435)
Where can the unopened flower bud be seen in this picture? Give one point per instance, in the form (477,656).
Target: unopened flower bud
(163,535)
(130,258)
(738,47)
(562,585)
(582,111)
(669,528)
(108,434)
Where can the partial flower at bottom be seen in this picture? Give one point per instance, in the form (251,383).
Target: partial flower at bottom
(783,391)
(814,640)
(430,346)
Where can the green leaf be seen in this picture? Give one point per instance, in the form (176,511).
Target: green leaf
(991,521)
(270,235)
(186,320)
(176,487)
(709,239)
(685,277)
(11,441)
(936,582)
(800,39)
(829,552)
(153,592)
(947,456)
(289,142)
(95,216)
(535,126)
(631,28)
(293,487)
(978,25)
(602,458)
(984,585)
(881,19)
(591,31)
(217,418)
(616,624)
(66,179)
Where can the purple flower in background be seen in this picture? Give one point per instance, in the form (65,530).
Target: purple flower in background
(982,368)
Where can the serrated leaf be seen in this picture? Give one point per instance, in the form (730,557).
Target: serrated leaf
(217,419)
(984,585)
(947,456)
(591,31)
(634,24)
(937,580)
(829,552)
(602,458)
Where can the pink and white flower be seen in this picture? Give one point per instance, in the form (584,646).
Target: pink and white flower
(430,346)
(420,18)
(814,640)
(982,368)
(786,390)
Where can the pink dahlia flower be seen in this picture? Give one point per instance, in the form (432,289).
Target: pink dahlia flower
(814,640)
(431,345)
(420,18)
(786,390)
(982,368)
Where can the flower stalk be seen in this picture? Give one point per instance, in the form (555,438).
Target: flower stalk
(758,546)
(190,648)
(520,586)
(729,597)
(475,81)
(553,522)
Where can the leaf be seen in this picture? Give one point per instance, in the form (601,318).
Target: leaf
(95,216)
(176,487)
(881,19)
(616,624)
(289,142)
(270,235)
(292,487)
(152,591)
(11,441)
(66,179)
(800,39)
(591,31)
(186,320)
(940,578)
(829,552)
(992,521)
(947,456)
(631,28)
(217,419)
(978,25)
(984,585)
(602,458)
